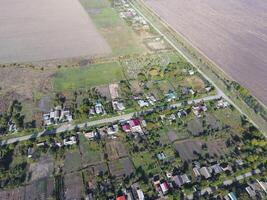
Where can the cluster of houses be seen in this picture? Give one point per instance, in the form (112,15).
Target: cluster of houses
(163,186)
(104,131)
(150,100)
(133,193)
(57,115)
(131,15)
(257,189)
(133,126)
(68,141)
(208,172)
(181,113)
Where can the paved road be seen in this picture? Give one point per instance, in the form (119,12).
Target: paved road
(69,127)
(176,47)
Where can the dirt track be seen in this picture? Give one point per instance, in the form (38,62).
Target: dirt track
(232,33)
(34,30)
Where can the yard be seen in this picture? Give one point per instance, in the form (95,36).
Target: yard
(89,76)
(91,152)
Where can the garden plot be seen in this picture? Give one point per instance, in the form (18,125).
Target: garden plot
(188,148)
(72,161)
(115,149)
(195,126)
(73,186)
(41,189)
(44,30)
(217,148)
(104,91)
(41,169)
(91,152)
(174,135)
(120,168)
(96,170)
(135,87)
(13,194)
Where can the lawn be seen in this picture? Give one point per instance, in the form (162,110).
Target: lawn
(85,77)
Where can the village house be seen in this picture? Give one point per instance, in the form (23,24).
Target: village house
(191,72)
(30,152)
(137,192)
(118,106)
(222,104)
(185,90)
(90,135)
(170,96)
(99,109)
(181,113)
(180,180)
(113,129)
(151,99)
(205,172)
(57,115)
(70,141)
(11,127)
(216,169)
(122,197)
(133,126)
(198,109)
(161,156)
(164,186)
(226,167)
(143,103)
(208,88)
(192,91)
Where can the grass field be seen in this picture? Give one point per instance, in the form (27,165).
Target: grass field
(92,75)
(120,37)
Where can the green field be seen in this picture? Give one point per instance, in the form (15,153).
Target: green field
(120,36)
(85,77)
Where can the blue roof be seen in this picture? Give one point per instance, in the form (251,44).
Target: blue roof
(232,196)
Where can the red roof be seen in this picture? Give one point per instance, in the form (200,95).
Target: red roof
(121,198)
(126,127)
(135,122)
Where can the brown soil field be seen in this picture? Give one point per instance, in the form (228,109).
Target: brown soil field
(231,33)
(35,30)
